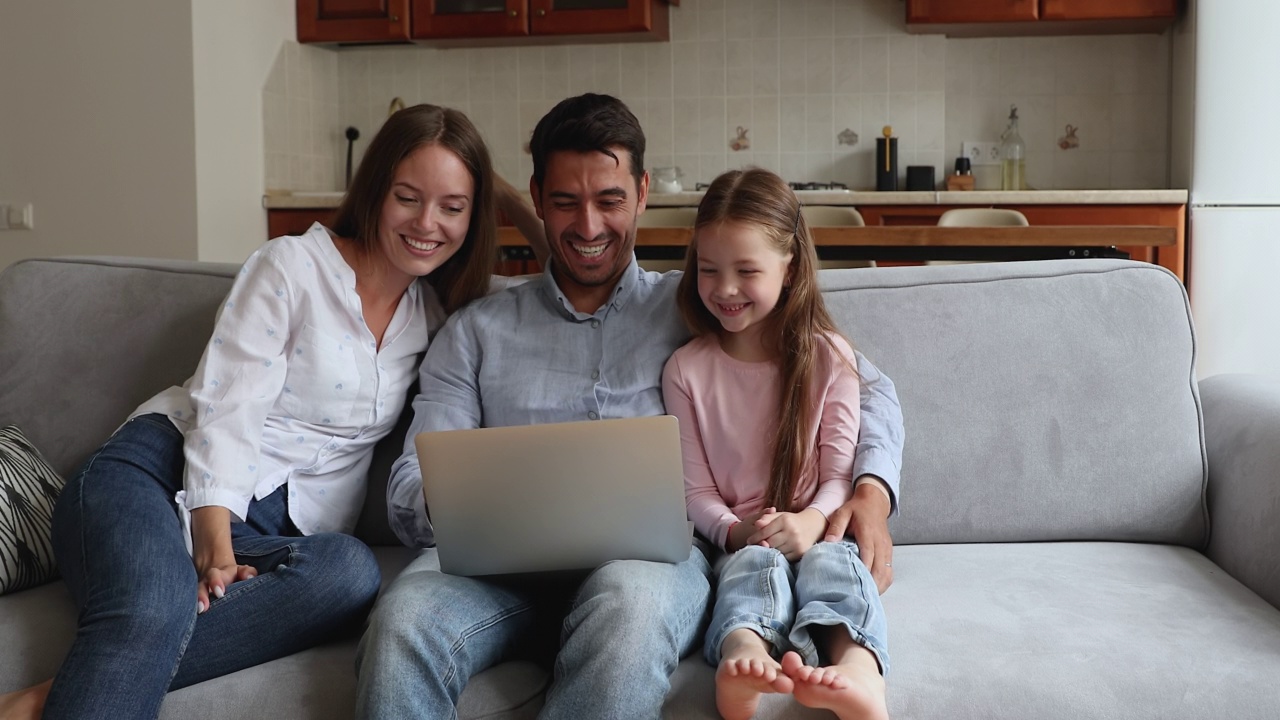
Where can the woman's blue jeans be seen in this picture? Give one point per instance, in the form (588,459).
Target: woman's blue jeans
(122,551)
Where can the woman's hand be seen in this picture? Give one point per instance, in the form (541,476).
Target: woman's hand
(791,534)
(215,561)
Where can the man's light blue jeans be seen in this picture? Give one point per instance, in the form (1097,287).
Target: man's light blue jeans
(628,625)
(122,551)
(758,589)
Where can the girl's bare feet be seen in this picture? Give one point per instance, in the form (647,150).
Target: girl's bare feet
(24,704)
(746,672)
(853,690)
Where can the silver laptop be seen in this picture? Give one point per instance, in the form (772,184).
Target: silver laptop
(563,496)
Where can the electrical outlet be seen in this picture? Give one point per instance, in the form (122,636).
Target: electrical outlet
(17,217)
(982,153)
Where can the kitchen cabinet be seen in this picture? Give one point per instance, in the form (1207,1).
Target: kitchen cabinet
(1108,9)
(487,22)
(295,221)
(460,19)
(1172,257)
(355,21)
(971,11)
(980,18)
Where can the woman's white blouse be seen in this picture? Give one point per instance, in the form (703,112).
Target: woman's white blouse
(292,388)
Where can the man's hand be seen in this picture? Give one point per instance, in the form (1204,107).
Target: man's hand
(791,534)
(865,518)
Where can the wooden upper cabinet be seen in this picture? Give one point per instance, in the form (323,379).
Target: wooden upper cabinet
(589,17)
(971,11)
(353,20)
(1109,9)
(442,19)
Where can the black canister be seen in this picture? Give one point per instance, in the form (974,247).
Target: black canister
(887,161)
(920,177)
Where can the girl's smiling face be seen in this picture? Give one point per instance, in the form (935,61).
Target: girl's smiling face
(741,276)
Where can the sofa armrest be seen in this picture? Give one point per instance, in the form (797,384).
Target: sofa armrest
(1242,439)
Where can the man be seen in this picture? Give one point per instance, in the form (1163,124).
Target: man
(586,341)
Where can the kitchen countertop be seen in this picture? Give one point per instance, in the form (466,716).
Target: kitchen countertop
(321,200)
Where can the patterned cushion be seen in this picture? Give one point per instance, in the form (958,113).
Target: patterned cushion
(28,489)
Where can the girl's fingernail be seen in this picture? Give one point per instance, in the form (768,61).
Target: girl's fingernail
(199,607)
(217,591)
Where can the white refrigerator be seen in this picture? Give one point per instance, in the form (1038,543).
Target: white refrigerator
(1226,149)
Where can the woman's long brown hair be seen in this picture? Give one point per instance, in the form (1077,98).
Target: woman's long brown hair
(761,199)
(465,276)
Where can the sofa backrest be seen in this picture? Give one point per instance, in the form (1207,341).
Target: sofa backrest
(83,341)
(1042,400)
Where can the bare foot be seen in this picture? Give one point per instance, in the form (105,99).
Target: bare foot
(24,704)
(746,672)
(853,690)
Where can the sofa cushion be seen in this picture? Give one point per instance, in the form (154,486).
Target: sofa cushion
(1076,630)
(1051,400)
(28,490)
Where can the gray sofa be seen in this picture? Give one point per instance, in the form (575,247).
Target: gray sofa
(1086,531)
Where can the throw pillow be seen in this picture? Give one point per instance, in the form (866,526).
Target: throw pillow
(28,489)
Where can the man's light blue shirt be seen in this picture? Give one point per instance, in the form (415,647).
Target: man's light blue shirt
(524,356)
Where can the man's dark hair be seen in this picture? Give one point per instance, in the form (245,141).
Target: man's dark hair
(587,123)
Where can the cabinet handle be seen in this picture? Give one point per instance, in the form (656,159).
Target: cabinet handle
(395,18)
(542,13)
(513,13)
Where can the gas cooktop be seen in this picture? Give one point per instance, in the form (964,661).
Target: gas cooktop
(798,186)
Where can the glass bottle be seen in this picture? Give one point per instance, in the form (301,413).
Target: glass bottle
(1013,155)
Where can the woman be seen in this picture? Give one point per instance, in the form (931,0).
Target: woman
(210,533)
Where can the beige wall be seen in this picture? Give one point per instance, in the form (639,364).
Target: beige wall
(97,128)
(235,43)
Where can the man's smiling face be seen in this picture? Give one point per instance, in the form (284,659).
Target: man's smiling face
(588,203)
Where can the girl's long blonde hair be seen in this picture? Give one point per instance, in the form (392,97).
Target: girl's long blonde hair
(761,199)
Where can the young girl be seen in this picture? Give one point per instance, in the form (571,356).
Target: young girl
(767,396)
(212,531)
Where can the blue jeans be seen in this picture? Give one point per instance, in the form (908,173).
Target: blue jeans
(122,551)
(628,625)
(759,589)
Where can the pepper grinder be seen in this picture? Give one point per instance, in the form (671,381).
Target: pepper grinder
(887,161)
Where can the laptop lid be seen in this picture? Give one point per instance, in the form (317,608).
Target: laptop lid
(558,496)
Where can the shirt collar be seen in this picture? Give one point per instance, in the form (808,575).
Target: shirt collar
(343,271)
(621,292)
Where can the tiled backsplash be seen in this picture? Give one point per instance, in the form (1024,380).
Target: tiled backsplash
(301,136)
(793,74)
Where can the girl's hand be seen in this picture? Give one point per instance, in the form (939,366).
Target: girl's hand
(743,529)
(791,534)
(215,561)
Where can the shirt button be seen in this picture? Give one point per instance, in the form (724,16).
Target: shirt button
(593,415)
(595,374)
(595,323)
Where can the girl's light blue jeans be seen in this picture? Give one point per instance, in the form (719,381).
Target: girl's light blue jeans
(758,589)
(122,551)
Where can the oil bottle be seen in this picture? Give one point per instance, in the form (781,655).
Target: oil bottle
(1013,155)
